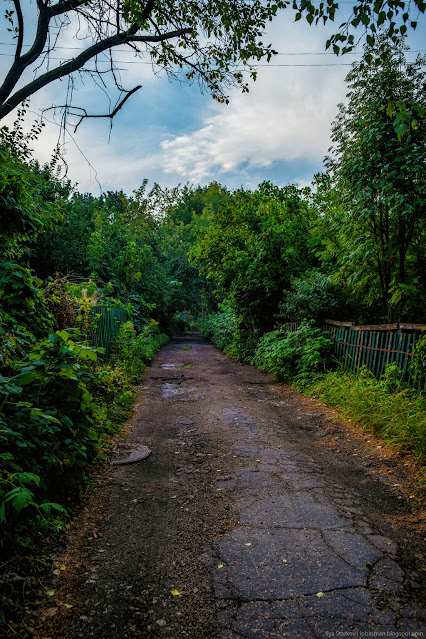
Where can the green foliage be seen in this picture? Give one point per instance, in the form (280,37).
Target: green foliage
(115,241)
(25,206)
(312,295)
(113,391)
(27,316)
(384,406)
(220,327)
(133,352)
(392,19)
(252,247)
(294,355)
(49,428)
(375,226)
(418,363)
(15,340)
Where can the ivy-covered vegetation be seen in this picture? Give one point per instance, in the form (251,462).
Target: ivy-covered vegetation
(238,265)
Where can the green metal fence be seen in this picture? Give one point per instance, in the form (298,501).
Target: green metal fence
(376,346)
(108,320)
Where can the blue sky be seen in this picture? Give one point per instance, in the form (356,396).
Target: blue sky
(171,133)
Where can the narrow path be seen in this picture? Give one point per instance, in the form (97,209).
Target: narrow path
(240,509)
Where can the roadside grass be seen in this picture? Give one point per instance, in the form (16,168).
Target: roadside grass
(394,412)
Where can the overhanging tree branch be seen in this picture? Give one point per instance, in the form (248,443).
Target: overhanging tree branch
(216,37)
(78,62)
(20,17)
(83,115)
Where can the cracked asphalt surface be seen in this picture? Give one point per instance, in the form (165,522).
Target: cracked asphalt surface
(241,523)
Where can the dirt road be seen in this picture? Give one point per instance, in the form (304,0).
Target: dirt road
(242,522)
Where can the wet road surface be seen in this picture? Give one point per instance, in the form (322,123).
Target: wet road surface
(240,524)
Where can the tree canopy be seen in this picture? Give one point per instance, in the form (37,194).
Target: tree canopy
(380,182)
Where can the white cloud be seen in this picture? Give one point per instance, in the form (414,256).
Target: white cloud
(285,117)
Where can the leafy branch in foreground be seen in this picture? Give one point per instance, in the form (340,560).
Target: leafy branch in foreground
(392,17)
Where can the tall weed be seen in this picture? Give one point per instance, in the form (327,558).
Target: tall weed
(133,352)
(385,406)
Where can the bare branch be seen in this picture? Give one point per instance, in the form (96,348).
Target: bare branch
(76,63)
(108,115)
(67,5)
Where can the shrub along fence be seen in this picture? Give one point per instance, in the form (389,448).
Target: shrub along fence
(377,346)
(107,324)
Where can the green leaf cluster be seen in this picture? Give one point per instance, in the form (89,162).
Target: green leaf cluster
(49,428)
(298,355)
(253,246)
(133,351)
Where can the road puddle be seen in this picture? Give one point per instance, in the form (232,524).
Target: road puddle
(171,390)
(169,367)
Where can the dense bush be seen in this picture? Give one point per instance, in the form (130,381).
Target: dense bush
(21,295)
(229,333)
(219,327)
(419,359)
(313,295)
(298,354)
(50,427)
(133,352)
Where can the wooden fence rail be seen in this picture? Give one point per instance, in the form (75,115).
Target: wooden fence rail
(376,346)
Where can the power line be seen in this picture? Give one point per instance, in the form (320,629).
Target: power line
(125,62)
(254,66)
(281,53)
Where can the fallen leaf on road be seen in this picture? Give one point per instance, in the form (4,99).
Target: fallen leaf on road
(320,594)
(220,565)
(175,592)
(248,544)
